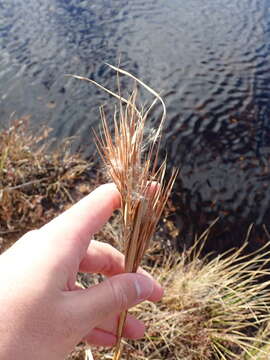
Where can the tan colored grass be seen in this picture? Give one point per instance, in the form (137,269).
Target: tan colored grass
(217,308)
(213,309)
(131,160)
(221,305)
(35,183)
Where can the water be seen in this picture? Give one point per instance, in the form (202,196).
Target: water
(210,59)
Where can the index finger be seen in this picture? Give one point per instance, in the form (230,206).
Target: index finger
(72,230)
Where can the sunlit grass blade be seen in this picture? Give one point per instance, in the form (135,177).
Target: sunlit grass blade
(131,159)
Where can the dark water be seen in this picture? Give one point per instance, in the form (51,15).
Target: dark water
(210,59)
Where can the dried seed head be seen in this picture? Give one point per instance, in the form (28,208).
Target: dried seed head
(130,153)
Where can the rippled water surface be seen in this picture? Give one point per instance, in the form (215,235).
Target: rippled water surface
(210,59)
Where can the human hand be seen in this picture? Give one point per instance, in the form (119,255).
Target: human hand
(43,314)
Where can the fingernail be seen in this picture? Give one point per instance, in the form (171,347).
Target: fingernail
(144,287)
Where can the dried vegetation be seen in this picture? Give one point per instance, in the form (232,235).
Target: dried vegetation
(213,309)
(131,160)
(35,184)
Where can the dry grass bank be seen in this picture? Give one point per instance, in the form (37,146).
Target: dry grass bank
(35,184)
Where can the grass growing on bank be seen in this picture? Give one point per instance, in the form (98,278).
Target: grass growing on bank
(214,309)
(35,184)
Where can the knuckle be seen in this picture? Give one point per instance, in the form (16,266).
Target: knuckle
(110,265)
(118,294)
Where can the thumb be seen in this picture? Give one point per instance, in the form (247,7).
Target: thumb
(114,295)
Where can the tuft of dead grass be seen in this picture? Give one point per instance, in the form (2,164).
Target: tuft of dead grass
(35,183)
(131,160)
(213,309)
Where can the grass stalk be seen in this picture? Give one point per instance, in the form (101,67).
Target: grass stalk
(132,162)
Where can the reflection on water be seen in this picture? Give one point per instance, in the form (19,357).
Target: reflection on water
(209,58)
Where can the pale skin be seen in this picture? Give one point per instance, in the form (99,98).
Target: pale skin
(43,314)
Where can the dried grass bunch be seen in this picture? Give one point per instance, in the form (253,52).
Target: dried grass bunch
(213,309)
(35,183)
(131,160)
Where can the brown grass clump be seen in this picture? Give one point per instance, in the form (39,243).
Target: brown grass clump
(220,305)
(35,184)
(213,309)
(131,160)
